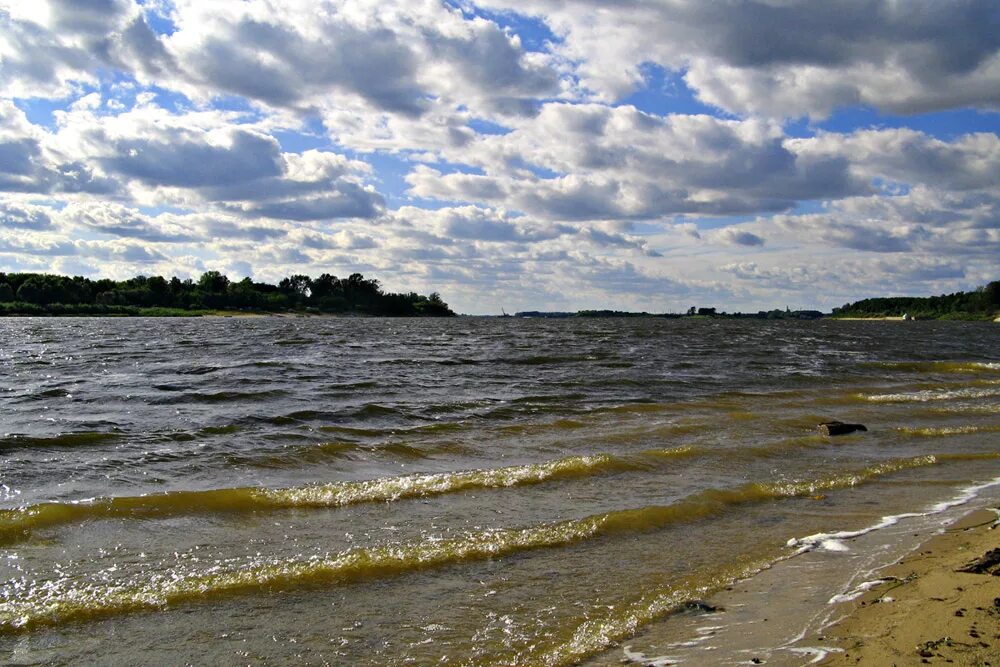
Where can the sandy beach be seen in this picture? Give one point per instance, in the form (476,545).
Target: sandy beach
(927,610)
(886,597)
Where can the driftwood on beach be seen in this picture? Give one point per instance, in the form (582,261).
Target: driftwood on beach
(988,563)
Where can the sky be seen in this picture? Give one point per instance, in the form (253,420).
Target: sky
(525,155)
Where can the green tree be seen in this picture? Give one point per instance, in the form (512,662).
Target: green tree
(991,293)
(325,286)
(299,284)
(53,294)
(213,282)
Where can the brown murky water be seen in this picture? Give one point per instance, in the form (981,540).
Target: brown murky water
(467,491)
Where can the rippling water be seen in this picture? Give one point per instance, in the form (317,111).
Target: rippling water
(464,491)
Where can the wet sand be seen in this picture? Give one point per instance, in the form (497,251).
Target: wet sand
(880,598)
(928,611)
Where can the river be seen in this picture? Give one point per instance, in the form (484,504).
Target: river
(469,491)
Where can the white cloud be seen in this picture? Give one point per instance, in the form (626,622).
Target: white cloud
(387,55)
(788,58)
(209,158)
(117,220)
(24,216)
(737,237)
(50,47)
(618,162)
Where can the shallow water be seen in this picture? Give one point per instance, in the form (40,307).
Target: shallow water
(464,491)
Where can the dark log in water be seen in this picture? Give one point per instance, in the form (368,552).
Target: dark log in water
(840,428)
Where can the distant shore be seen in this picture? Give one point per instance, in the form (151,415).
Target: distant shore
(926,610)
(207,313)
(897,318)
(873,319)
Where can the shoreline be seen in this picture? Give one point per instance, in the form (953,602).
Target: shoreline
(924,608)
(817,606)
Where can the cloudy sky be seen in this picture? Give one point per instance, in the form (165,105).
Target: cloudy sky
(529,154)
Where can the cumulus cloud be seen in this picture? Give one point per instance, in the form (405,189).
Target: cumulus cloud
(483,227)
(24,216)
(185,159)
(922,269)
(925,219)
(786,58)
(739,237)
(27,166)
(969,162)
(117,220)
(391,56)
(47,246)
(781,277)
(261,52)
(52,46)
(580,162)
(770,281)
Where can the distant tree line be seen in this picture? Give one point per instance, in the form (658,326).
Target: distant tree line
(43,293)
(692,312)
(981,303)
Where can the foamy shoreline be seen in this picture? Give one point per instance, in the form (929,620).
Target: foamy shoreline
(924,609)
(818,604)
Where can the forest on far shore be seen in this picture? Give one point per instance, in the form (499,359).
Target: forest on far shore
(49,294)
(981,303)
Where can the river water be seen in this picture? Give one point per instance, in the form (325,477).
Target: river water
(459,491)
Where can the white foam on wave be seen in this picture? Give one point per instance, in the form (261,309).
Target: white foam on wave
(986,365)
(856,592)
(941,431)
(833,545)
(819,653)
(637,657)
(817,541)
(932,395)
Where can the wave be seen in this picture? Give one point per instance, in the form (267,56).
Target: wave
(324,451)
(295,341)
(419,361)
(76,439)
(938,366)
(18,524)
(608,627)
(781,447)
(25,605)
(362,413)
(55,392)
(932,395)
(221,396)
(940,431)
(833,541)
(199,370)
(549,359)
